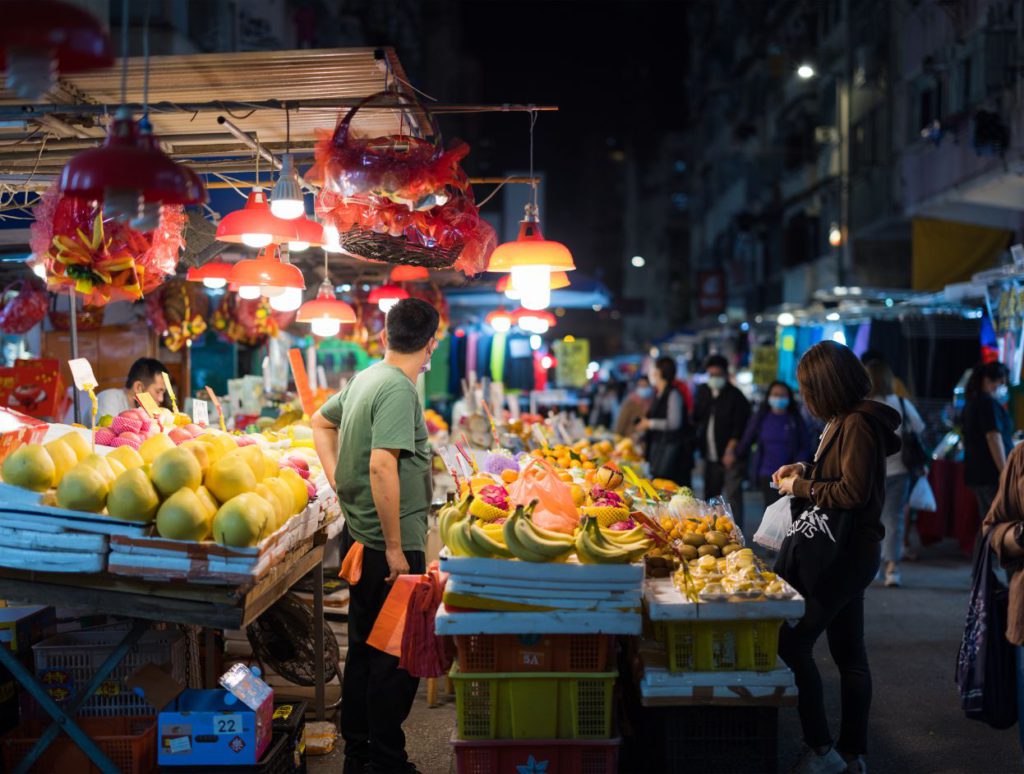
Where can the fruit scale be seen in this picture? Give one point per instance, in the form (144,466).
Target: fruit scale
(208,606)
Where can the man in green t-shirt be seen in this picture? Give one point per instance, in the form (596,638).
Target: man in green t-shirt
(372,441)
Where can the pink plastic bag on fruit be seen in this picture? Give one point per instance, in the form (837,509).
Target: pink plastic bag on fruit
(555,508)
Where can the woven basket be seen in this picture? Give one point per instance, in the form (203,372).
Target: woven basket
(371,246)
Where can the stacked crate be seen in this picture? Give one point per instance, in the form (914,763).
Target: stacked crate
(534,689)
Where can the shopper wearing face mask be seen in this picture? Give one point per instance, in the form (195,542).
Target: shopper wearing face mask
(634,408)
(721,413)
(987,431)
(668,436)
(777,434)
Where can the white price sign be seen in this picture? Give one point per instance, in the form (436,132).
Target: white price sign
(200,412)
(81,372)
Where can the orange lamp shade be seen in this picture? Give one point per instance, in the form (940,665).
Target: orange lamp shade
(387,293)
(531,249)
(266,272)
(310,234)
(542,315)
(254,225)
(409,274)
(559,280)
(326,307)
(214,274)
(500,319)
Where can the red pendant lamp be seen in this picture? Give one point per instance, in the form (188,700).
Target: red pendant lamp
(255,226)
(310,234)
(213,275)
(534,320)
(558,280)
(40,39)
(326,313)
(265,275)
(500,319)
(409,274)
(386,296)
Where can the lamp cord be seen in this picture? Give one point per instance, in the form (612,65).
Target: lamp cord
(533,180)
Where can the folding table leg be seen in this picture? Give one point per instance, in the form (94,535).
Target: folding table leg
(64,719)
(319,668)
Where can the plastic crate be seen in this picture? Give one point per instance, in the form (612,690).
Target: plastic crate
(66,663)
(725,740)
(290,721)
(557,756)
(276,760)
(544,705)
(722,646)
(534,652)
(129,743)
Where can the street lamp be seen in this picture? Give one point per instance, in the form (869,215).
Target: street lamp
(805,71)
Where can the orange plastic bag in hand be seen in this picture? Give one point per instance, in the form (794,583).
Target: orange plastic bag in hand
(555,508)
(352,566)
(390,624)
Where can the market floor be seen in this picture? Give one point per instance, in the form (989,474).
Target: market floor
(916,723)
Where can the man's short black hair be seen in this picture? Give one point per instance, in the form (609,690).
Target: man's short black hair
(145,370)
(716,361)
(411,324)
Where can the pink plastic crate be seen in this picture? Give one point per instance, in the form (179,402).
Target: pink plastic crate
(558,756)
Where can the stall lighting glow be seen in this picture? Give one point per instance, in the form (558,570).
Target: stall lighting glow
(638,261)
(500,320)
(805,71)
(832,317)
(786,319)
(889,302)
(835,235)
(547,362)
(744,326)
(534,283)
(569,339)
(249,292)
(325,328)
(256,240)
(535,342)
(286,197)
(287,301)
(214,283)
(723,318)
(839,338)
(593,366)
(597,307)
(346,288)
(39,269)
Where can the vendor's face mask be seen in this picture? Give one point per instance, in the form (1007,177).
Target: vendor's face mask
(430,354)
(716,383)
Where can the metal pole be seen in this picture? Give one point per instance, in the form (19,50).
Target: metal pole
(318,640)
(73,317)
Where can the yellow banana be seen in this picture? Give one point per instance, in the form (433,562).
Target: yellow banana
(515,545)
(486,542)
(552,549)
(451,514)
(622,537)
(593,548)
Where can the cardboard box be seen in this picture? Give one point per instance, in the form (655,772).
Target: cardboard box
(204,727)
(34,387)
(17,429)
(23,627)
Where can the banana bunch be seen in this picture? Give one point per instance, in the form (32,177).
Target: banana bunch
(451,514)
(532,543)
(625,537)
(471,537)
(594,547)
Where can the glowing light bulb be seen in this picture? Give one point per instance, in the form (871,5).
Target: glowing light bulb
(501,324)
(249,292)
(332,240)
(325,326)
(268,291)
(288,209)
(39,269)
(512,293)
(288,301)
(256,240)
(535,342)
(786,319)
(534,282)
(385,304)
(298,247)
(214,283)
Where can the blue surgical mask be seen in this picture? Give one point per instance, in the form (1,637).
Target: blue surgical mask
(779,404)
(1002,393)
(644,392)
(716,383)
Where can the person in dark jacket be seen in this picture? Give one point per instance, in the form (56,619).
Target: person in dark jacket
(778,434)
(987,431)
(848,474)
(666,427)
(721,413)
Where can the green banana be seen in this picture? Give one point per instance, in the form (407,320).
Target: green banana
(487,543)
(451,514)
(593,548)
(515,545)
(553,546)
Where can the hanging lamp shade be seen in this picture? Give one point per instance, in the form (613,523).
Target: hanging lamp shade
(286,198)
(535,321)
(265,273)
(386,296)
(558,280)
(127,171)
(41,38)
(213,275)
(326,313)
(531,249)
(254,225)
(410,274)
(310,233)
(500,319)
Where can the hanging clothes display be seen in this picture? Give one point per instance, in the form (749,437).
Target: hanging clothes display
(436,379)
(497,358)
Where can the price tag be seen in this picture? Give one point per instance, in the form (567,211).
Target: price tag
(170,392)
(227,724)
(81,372)
(180,744)
(200,412)
(148,404)
(216,404)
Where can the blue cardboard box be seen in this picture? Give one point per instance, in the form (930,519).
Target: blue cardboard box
(212,728)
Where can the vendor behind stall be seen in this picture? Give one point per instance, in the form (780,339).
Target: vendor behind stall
(145,375)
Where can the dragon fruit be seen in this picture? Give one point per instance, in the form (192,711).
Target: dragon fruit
(492,502)
(606,498)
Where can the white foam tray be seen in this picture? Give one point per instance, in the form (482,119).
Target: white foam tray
(555,622)
(570,571)
(665,602)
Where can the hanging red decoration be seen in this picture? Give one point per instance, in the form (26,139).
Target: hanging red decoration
(249,322)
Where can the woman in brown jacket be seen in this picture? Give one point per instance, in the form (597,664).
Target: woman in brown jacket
(848,474)
(1005,520)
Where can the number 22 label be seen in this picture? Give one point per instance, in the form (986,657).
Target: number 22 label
(228,724)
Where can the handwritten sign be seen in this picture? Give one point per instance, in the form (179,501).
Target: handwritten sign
(148,404)
(81,372)
(200,412)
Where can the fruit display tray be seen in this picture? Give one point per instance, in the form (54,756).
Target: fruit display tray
(22,509)
(558,622)
(659,687)
(664,602)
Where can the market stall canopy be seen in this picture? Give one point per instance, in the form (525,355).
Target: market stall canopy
(187,95)
(585,292)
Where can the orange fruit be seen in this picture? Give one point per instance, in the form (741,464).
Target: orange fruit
(508,475)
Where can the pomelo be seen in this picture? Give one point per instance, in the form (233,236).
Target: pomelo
(230,477)
(183,517)
(30,467)
(83,488)
(242,520)
(133,497)
(175,469)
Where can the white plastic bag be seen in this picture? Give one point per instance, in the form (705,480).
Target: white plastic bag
(922,498)
(775,524)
